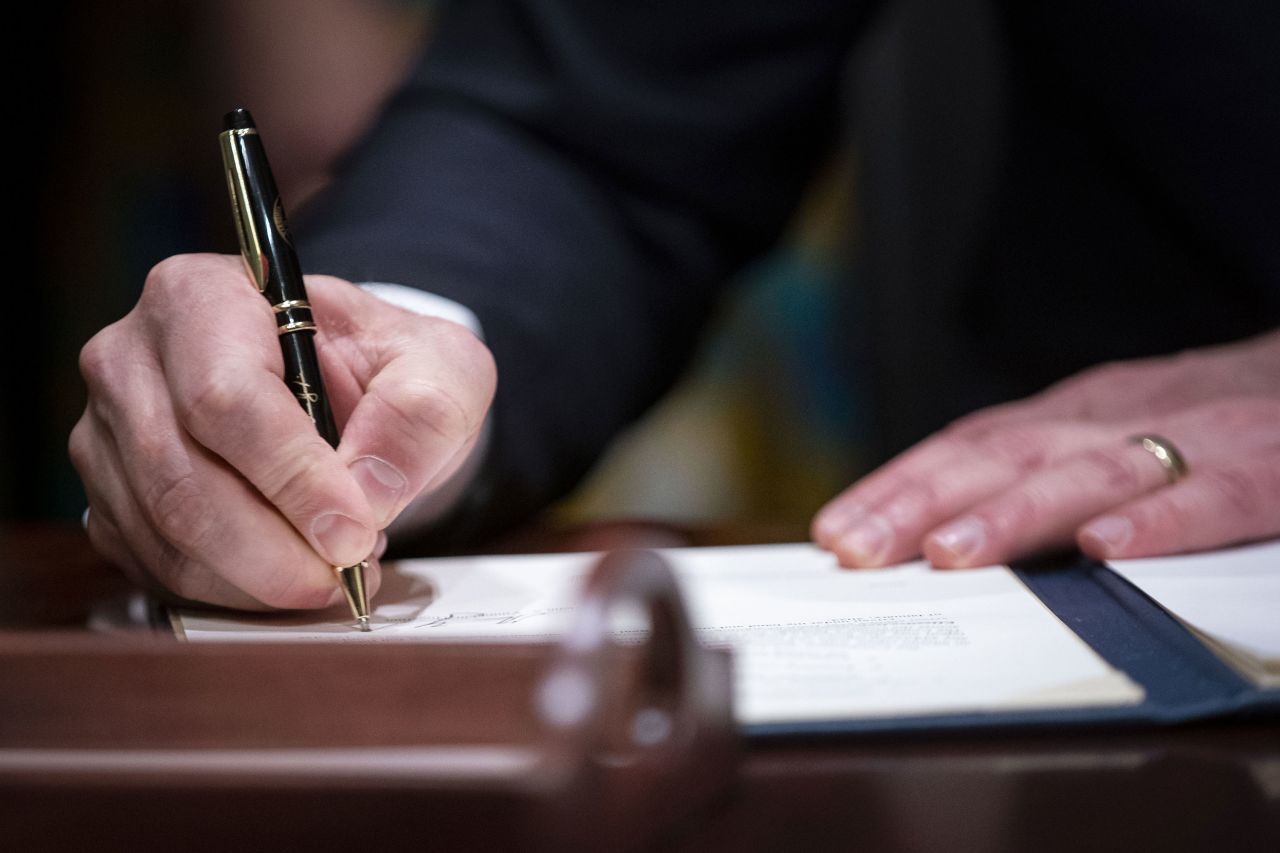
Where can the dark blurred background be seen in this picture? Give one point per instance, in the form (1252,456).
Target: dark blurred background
(118,168)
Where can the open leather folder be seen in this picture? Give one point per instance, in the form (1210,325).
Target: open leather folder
(581,742)
(820,649)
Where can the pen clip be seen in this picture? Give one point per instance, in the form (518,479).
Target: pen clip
(255,260)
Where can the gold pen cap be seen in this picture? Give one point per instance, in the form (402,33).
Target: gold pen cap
(239,125)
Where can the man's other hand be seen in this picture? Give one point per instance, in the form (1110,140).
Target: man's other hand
(205,476)
(1060,467)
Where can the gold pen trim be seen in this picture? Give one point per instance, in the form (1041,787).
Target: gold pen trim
(281,307)
(238,188)
(296,326)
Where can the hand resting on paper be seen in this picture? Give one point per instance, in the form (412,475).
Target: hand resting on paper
(208,480)
(1058,467)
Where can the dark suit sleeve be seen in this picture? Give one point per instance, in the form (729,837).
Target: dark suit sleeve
(583,176)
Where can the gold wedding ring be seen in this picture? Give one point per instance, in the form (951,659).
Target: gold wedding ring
(1175,467)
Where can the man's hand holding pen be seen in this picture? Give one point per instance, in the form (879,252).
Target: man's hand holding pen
(205,476)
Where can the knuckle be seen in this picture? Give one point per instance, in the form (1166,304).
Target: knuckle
(1018,513)
(477,360)
(107,541)
(213,403)
(176,572)
(965,430)
(181,512)
(976,424)
(1269,496)
(447,334)
(468,354)
(1023,447)
(1108,371)
(97,357)
(426,408)
(178,283)
(79,444)
(291,481)
(184,577)
(958,438)
(1236,490)
(104,537)
(1112,375)
(1086,393)
(956,442)
(1171,511)
(1117,474)
(172,274)
(918,499)
(1243,415)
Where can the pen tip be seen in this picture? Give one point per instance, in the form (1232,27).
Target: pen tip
(351,578)
(238,119)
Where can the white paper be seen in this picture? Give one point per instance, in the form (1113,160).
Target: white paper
(811,641)
(1231,598)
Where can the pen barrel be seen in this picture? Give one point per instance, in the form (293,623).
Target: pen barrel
(273,267)
(302,375)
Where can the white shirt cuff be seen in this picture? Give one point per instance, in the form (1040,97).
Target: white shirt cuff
(426,304)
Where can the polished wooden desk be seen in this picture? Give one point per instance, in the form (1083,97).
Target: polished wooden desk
(1202,787)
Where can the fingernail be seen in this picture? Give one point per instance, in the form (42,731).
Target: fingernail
(342,540)
(869,540)
(383,485)
(832,523)
(962,539)
(1112,532)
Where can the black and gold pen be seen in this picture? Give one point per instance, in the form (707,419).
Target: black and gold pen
(274,270)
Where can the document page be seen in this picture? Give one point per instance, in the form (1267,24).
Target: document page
(1230,599)
(811,641)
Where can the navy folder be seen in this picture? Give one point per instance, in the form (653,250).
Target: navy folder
(1184,681)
